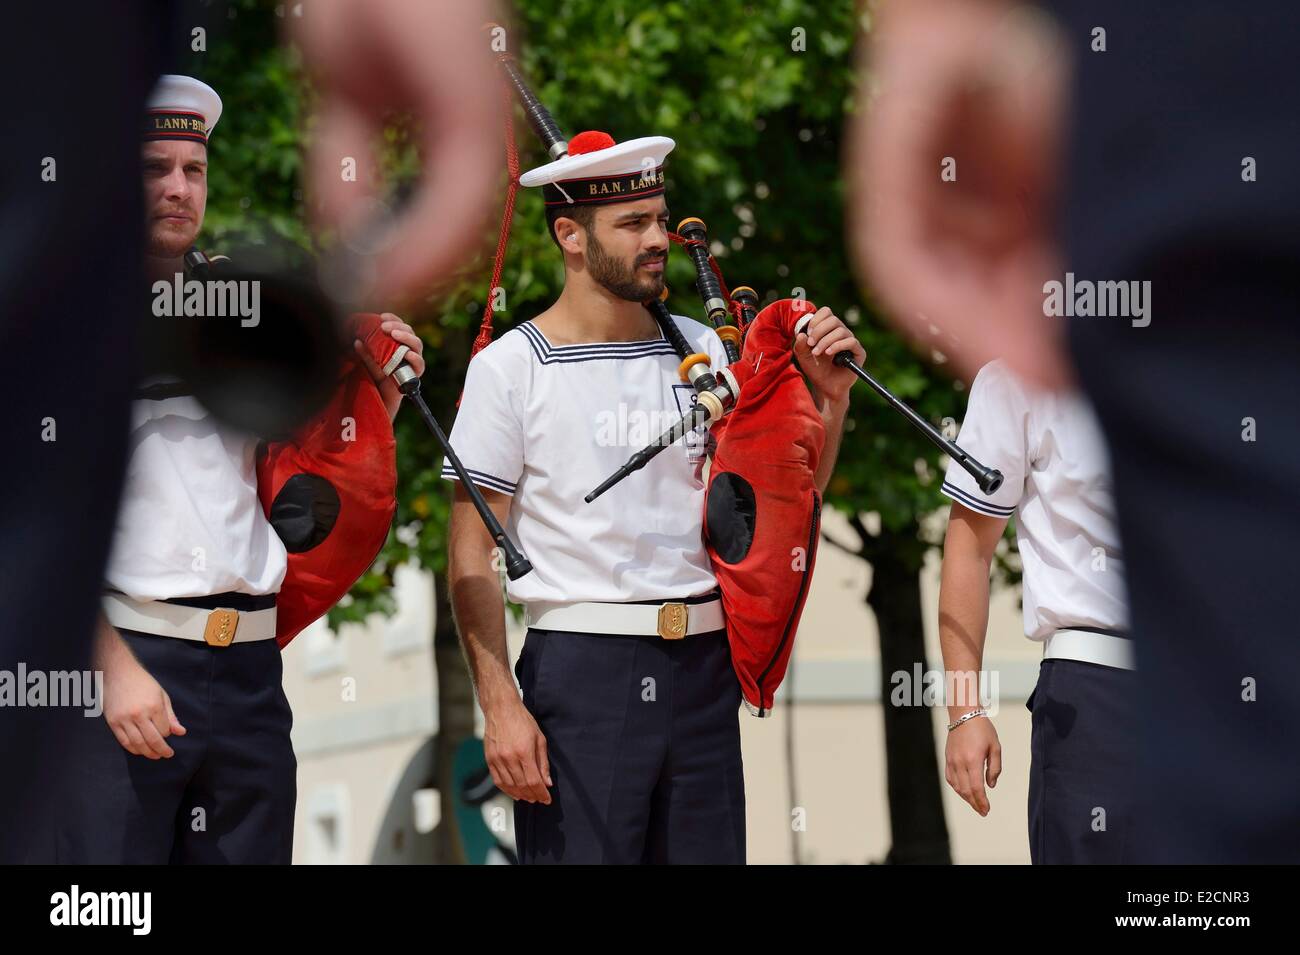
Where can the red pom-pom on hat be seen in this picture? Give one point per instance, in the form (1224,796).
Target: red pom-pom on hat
(589,141)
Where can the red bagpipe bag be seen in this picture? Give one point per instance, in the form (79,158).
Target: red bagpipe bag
(330,491)
(762,511)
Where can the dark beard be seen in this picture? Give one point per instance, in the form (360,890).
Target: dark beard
(611,274)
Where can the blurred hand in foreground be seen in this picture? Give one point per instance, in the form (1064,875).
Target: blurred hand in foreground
(373,59)
(974,88)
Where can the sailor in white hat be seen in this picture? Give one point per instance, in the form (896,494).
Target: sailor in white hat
(550,406)
(168,775)
(192,761)
(182,113)
(626,745)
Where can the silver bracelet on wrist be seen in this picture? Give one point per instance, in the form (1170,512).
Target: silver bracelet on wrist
(978,711)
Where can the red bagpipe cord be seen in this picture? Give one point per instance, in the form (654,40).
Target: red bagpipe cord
(484,337)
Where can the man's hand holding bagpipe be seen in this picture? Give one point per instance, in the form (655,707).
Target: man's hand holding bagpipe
(816,347)
(403,334)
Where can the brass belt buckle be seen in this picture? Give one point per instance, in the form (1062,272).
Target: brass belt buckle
(672,621)
(221,627)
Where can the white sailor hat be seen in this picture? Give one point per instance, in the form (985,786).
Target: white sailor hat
(599,170)
(181,107)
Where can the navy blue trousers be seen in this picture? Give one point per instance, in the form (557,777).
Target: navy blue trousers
(1198,408)
(1082,795)
(228,793)
(643,737)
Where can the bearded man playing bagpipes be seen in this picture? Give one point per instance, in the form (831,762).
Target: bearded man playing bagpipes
(625,746)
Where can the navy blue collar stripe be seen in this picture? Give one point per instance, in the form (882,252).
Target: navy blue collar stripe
(548,354)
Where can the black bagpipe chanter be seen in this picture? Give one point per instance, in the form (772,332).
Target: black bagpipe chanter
(762,510)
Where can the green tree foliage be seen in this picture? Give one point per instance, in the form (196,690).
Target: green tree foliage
(255,157)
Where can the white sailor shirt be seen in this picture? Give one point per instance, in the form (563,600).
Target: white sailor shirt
(546,424)
(1058,486)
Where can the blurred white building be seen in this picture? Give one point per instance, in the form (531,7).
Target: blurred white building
(365,704)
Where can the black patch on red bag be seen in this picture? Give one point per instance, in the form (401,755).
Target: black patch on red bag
(304,512)
(730,515)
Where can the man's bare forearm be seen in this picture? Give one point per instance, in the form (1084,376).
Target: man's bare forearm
(964,607)
(963,622)
(833,414)
(479,609)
